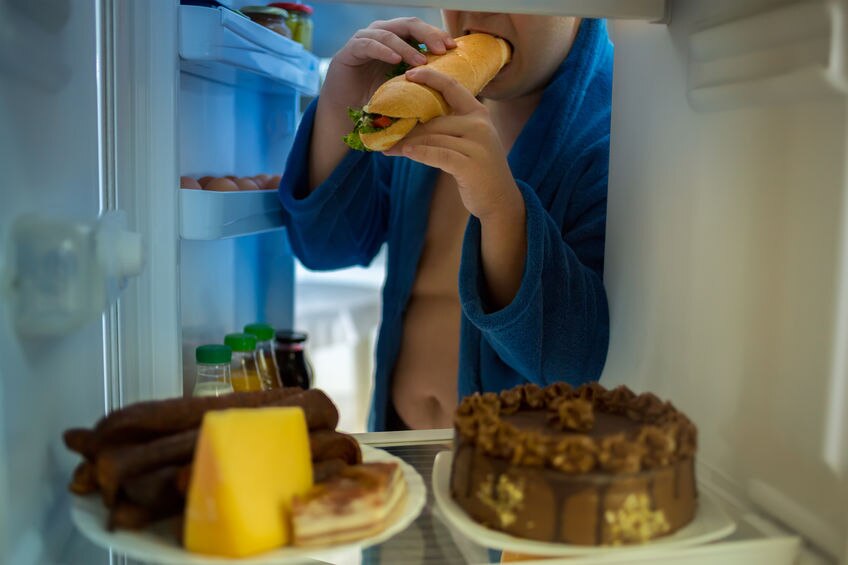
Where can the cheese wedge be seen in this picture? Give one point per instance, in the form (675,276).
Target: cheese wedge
(248,464)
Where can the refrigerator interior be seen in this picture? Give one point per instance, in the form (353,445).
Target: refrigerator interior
(725,263)
(227,282)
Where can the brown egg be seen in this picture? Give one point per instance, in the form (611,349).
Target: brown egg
(189,182)
(273,182)
(204,181)
(246,183)
(221,185)
(261,180)
(231,177)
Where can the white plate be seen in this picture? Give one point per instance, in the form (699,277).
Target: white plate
(710,523)
(158,544)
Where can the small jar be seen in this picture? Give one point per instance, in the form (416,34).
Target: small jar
(244,368)
(275,19)
(268,371)
(292,359)
(299,21)
(213,370)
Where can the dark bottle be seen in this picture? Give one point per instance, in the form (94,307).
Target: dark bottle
(292,360)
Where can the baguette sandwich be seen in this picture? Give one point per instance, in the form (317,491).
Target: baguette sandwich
(398,105)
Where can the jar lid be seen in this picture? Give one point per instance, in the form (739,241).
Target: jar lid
(241,342)
(213,354)
(293,7)
(263,332)
(291,336)
(265,10)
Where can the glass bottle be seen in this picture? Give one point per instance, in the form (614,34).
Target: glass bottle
(244,368)
(292,360)
(275,19)
(213,370)
(268,371)
(299,21)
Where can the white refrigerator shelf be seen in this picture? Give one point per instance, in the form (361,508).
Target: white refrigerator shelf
(221,45)
(207,215)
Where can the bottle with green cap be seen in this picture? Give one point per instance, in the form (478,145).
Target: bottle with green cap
(213,370)
(268,371)
(244,368)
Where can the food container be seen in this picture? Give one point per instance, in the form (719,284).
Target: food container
(268,371)
(273,18)
(213,370)
(299,21)
(292,360)
(244,368)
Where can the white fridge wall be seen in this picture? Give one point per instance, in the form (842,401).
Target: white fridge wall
(723,249)
(49,156)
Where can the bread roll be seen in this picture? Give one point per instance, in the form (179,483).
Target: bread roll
(474,62)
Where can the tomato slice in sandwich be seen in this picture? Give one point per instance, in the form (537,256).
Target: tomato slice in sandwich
(382,122)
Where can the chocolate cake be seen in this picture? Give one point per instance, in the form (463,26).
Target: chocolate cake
(585,466)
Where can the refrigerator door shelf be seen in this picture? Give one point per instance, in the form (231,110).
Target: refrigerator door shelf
(207,215)
(788,54)
(218,44)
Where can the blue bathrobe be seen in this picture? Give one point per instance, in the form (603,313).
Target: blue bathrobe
(557,326)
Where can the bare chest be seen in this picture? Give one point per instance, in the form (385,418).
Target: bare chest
(438,267)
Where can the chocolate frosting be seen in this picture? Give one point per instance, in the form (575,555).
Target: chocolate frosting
(577,430)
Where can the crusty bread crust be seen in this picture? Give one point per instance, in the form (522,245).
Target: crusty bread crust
(385,138)
(478,57)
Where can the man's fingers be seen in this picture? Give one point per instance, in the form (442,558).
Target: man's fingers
(437,40)
(457,96)
(394,43)
(366,49)
(444,152)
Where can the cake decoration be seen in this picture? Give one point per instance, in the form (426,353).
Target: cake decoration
(581,465)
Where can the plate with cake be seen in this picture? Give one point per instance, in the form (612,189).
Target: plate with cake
(573,471)
(248,478)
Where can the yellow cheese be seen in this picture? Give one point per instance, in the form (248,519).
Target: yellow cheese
(248,464)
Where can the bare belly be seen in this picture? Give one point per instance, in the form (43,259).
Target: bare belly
(424,388)
(424,381)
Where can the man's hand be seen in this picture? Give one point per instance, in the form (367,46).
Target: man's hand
(355,73)
(466,145)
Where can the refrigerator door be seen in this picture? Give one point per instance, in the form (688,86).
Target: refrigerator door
(50,158)
(79,160)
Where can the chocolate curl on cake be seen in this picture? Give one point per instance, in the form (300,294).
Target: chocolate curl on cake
(511,401)
(617,454)
(534,396)
(156,418)
(572,414)
(574,454)
(659,445)
(617,401)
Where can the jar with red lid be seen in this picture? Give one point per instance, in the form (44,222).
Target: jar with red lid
(299,21)
(273,18)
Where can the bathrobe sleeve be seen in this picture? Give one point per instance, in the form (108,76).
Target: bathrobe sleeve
(557,325)
(344,221)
